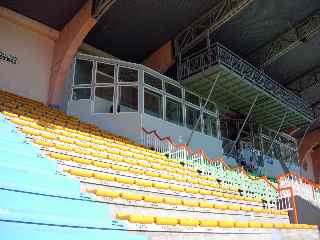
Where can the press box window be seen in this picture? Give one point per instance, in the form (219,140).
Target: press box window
(105,73)
(128,75)
(192,115)
(83,72)
(209,125)
(128,98)
(103,102)
(174,112)
(81,93)
(152,81)
(173,90)
(152,103)
(191,98)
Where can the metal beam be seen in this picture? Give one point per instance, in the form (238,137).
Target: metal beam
(100,7)
(209,22)
(287,41)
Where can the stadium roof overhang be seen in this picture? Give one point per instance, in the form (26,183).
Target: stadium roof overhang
(238,85)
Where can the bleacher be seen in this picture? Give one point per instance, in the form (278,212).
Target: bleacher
(60,172)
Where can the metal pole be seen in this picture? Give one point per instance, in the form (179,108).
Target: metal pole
(202,109)
(282,121)
(244,123)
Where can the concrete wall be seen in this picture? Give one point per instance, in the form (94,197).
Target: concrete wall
(211,146)
(123,124)
(32,43)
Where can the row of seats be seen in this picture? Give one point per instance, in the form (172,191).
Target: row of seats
(172,221)
(60,118)
(148,173)
(144,183)
(101,192)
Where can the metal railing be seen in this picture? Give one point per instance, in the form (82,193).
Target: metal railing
(301,187)
(218,54)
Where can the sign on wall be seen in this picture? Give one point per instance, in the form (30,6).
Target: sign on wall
(6,57)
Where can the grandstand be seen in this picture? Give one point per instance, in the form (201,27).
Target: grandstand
(109,130)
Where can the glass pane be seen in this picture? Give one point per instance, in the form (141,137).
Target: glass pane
(128,99)
(128,75)
(152,103)
(209,125)
(104,100)
(191,98)
(192,115)
(173,90)
(105,73)
(81,93)
(210,105)
(174,111)
(83,72)
(152,81)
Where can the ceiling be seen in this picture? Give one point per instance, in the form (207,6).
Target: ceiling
(133,29)
(52,13)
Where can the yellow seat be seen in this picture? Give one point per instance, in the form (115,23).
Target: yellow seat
(254,225)
(226,224)
(192,190)
(193,181)
(81,160)
(188,222)
(168,177)
(221,206)
(131,196)
(80,172)
(172,201)
(151,174)
(217,194)
(157,167)
(246,208)
(129,181)
(153,199)
(208,223)
(43,143)
(160,185)
(176,188)
(234,207)
(60,156)
(166,221)
(119,168)
(143,183)
(288,225)
(104,177)
(205,192)
(107,193)
(241,225)
(190,203)
(278,225)
(267,225)
(142,219)
(101,164)
(48,136)
(136,171)
(206,205)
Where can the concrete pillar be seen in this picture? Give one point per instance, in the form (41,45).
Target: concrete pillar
(70,39)
(161,59)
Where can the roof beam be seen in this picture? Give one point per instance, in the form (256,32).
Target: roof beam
(100,7)
(307,86)
(287,41)
(209,22)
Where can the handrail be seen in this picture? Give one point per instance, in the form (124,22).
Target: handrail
(205,156)
(303,179)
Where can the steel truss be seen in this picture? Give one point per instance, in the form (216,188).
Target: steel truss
(296,36)
(100,7)
(208,23)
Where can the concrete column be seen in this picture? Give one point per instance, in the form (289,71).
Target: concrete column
(70,39)
(161,59)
